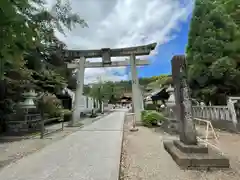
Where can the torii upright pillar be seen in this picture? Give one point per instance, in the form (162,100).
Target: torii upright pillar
(135,89)
(79,91)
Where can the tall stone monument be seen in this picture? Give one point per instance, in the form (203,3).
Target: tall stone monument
(187,152)
(183,101)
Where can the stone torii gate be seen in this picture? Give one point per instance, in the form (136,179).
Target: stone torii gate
(106,55)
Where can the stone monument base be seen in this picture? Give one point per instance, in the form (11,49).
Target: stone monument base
(195,156)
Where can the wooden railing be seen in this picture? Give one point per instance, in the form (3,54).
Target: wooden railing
(45,131)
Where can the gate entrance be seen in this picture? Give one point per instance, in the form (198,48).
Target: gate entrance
(106,54)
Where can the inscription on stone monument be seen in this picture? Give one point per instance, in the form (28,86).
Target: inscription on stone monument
(183,101)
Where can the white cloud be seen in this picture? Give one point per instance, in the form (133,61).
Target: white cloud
(122,23)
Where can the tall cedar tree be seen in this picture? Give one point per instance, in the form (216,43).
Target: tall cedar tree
(213,50)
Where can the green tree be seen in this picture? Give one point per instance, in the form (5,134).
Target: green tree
(29,48)
(159,81)
(113,91)
(212,53)
(105,91)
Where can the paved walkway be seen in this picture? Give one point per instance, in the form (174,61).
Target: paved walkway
(13,151)
(90,154)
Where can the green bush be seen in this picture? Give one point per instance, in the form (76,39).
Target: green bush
(52,107)
(151,118)
(143,113)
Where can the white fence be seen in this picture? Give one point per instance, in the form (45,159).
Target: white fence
(222,117)
(212,112)
(216,113)
(87,103)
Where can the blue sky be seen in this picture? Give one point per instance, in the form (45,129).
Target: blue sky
(162,61)
(142,22)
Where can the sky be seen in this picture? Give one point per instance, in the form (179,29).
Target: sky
(124,23)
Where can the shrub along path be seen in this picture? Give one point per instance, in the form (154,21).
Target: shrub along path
(152,118)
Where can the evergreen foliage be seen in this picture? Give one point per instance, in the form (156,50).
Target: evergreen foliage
(213,50)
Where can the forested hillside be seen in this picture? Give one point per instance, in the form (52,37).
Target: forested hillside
(115,90)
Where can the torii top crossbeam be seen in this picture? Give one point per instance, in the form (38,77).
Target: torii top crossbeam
(106,53)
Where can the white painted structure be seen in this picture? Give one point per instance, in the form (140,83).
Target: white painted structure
(86,103)
(171,100)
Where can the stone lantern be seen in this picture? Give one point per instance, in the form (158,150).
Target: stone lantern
(173,124)
(25,121)
(171,100)
(29,97)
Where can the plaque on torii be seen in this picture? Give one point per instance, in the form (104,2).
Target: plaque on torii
(106,54)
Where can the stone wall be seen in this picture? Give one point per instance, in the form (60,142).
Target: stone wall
(30,123)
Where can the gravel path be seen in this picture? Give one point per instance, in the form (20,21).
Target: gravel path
(144,158)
